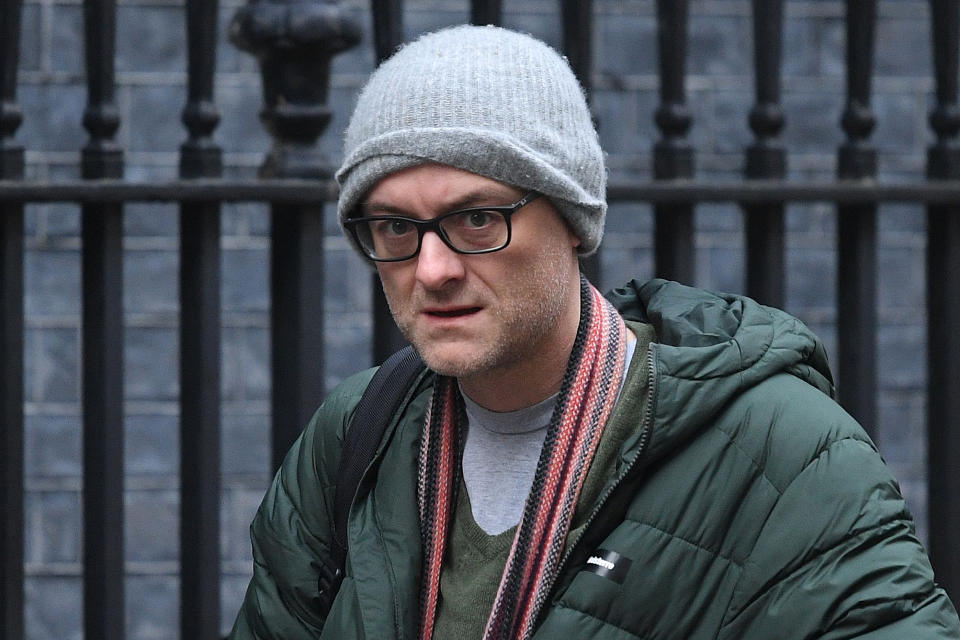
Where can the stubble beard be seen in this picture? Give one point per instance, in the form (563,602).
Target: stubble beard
(521,325)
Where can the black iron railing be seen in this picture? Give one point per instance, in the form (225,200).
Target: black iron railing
(294,43)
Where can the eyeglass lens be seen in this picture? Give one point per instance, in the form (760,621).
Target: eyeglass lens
(467,231)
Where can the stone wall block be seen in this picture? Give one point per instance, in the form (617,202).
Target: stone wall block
(812,220)
(915,494)
(150,281)
(151,38)
(237,510)
(245,364)
(51,365)
(811,277)
(627,217)
(154,123)
(59,220)
(729,129)
(902,438)
(903,47)
(245,445)
(716,45)
(152,445)
(232,589)
(832,48)
(243,220)
(901,357)
(906,219)
(346,281)
(51,522)
(700,103)
(341,101)
(54,607)
(416,23)
(52,115)
(800,37)
(545,26)
(624,119)
(348,343)
(813,121)
(52,446)
(901,120)
(152,522)
(721,268)
(153,605)
(151,363)
(30,21)
(240,130)
(66,45)
(151,219)
(620,265)
(720,217)
(626,45)
(901,273)
(246,280)
(52,283)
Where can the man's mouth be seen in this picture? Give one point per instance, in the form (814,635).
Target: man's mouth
(452,313)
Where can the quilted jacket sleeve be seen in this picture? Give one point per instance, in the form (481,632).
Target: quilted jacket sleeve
(838,558)
(292,530)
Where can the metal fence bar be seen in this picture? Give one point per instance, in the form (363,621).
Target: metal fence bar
(387,36)
(672,154)
(296,79)
(11,336)
(296,277)
(11,421)
(766,158)
(200,345)
(578,47)
(857,228)
(11,153)
(387,28)
(486,12)
(943,307)
(102,230)
(102,341)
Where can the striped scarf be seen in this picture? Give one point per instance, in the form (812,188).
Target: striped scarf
(587,395)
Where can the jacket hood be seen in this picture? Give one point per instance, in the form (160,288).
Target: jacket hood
(709,348)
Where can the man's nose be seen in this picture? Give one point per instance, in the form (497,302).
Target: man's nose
(437,263)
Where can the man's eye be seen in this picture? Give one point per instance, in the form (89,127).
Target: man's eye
(394,227)
(478,219)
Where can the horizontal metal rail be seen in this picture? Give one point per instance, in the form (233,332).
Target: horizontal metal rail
(295,191)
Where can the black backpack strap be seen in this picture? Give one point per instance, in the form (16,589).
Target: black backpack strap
(380,402)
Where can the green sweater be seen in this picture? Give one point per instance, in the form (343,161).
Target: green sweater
(744,504)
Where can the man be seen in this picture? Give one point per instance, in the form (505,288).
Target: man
(670,465)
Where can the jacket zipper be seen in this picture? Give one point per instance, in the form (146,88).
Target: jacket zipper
(645,425)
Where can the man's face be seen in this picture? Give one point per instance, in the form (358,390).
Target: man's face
(476,314)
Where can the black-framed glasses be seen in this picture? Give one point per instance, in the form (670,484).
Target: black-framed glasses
(470,231)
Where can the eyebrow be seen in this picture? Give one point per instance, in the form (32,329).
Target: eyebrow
(479,197)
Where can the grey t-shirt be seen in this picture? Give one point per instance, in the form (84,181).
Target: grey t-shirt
(500,458)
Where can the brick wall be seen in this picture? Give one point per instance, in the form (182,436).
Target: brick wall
(150,74)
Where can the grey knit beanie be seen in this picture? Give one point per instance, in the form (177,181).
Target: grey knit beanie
(486,100)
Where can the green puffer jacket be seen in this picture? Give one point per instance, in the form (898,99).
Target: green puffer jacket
(752,507)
